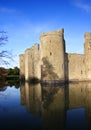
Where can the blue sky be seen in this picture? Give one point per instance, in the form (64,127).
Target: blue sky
(25,20)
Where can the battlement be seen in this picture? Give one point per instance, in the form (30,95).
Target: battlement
(27,50)
(87,36)
(21,55)
(58,32)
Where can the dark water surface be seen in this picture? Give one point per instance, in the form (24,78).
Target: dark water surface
(40,107)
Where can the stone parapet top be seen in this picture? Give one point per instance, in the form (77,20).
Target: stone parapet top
(75,54)
(36,45)
(28,49)
(87,35)
(21,54)
(58,32)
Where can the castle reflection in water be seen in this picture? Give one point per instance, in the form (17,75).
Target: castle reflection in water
(52,102)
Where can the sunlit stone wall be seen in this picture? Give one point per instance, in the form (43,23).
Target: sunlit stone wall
(22,66)
(76,67)
(87,51)
(32,62)
(28,64)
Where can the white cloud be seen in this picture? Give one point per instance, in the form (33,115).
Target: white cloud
(82,4)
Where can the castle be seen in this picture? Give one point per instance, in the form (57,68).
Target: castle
(51,62)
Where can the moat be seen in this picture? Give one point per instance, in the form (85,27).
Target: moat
(46,107)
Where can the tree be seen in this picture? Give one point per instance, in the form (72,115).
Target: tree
(4,54)
(3,73)
(14,71)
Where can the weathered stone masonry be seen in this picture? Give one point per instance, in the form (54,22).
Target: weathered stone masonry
(51,62)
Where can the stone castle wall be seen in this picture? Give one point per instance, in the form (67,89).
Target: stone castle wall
(76,65)
(87,52)
(22,66)
(31,65)
(52,55)
(50,62)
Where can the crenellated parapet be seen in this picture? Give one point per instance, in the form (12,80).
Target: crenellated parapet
(54,33)
(87,36)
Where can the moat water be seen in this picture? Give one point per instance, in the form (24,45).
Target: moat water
(51,107)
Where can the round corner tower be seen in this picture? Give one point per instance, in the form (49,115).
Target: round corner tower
(52,55)
(87,52)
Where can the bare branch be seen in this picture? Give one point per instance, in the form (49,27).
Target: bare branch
(3,38)
(5,56)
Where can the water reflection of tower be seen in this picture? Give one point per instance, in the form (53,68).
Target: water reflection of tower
(77,95)
(88,104)
(80,97)
(50,101)
(53,110)
(31,97)
(22,94)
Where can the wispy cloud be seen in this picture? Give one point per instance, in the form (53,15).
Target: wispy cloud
(6,10)
(82,4)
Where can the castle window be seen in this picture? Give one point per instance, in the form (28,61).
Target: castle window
(81,72)
(50,41)
(50,53)
(38,47)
